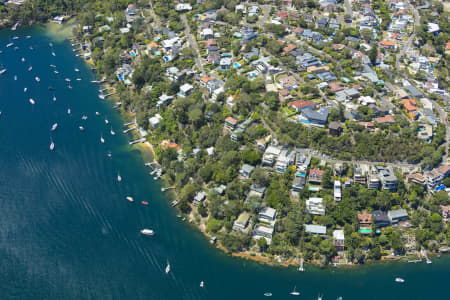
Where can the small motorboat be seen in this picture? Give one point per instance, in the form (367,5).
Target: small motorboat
(50,44)
(53,53)
(168,268)
(54,127)
(15,37)
(84,117)
(52,146)
(3,71)
(9,45)
(69,111)
(56,72)
(30,68)
(23,59)
(54,98)
(81,128)
(28,37)
(149,232)
(31,47)
(109,154)
(399,280)
(119,178)
(268,294)
(32,101)
(97,113)
(53,66)
(102,140)
(112,132)
(130,199)
(294,292)
(16,48)
(76,70)
(78,79)
(67,79)
(25,90)
(69,87)
(37,79)
(106,121)
(144,202)
(202,284)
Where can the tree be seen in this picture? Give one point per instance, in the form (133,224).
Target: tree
(327,179)
(213,225)
(202,210)
(262,244)
(373,54)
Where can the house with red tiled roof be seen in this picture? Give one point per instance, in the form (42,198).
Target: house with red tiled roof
(298,31)
(338,47)
(444,170)
(210,43)
(388,119)
(230,123)
(315,176)
(318,70)
(166,144)
(204,80)
(367,125)
(387,44)
(289,82)
(300,105)
(288,48)
(282,15)
(336,86)
(287,3)
(284,95)
(365,222)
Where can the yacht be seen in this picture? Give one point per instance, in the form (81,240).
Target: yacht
(23,59)
(25,90)
(97,113)
(119,178)
(267,294)
(53,53)
(130,199)
(30,68)
(9,45)
(52,146)
(147,232)
(81,128)
(32,101)
(53,66)
(3,71)
(202,284)
(294,292)
(76,70)
(168,268)
(112,132)
(102,140)
(84,117)
(67,79)
(106,121)
(399,280)
(37,79)
(54,127)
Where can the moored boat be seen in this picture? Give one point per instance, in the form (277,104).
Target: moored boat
(399,280)
(129,198)
(149,232)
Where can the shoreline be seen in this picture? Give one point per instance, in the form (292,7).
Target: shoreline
(146,150)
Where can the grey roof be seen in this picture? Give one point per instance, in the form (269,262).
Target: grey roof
(320,115)
(413,91)
(247,168)
(317,229)
(398,213)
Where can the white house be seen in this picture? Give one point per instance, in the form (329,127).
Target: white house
(315,206)
(185,90)
(154,121)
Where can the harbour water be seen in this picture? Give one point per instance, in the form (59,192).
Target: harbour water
(67,231)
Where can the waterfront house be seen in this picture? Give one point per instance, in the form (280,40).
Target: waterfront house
(339,239)
(240,224)
(380,218)
(246,170)
(365,222)
(155,120)
(199,197)
(315,229)
(315,176)
(397,215)
(314,206)
(267,214)
(265,232)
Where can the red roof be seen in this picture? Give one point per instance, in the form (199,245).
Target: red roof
(301,104)
(231,120)
(316,172)
(385,120)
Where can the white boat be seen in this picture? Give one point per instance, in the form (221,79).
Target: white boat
(54,98)
(32,101)
(294,292)
(76,70)
(97,113)
(69,87)
(168,268)
(9,45)
(28,37)
(16,48)
(54,127)
(399,280)
(81,128)
(25,90)
(106,121)
(69,111)
(50,44)
(147,232)
(15,37)
(112,132)
(52,146)
(53,53)
(102,140)
(23,59)
(56,72)
(130,199)
(67,79)
(37,79)
(84,117)
(78,79)
(119,178)
(15,77)
(31,47)
(53,66)
(109,154)
(3,71)
(202,284)
(30,68)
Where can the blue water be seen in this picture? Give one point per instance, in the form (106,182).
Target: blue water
(67,232)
